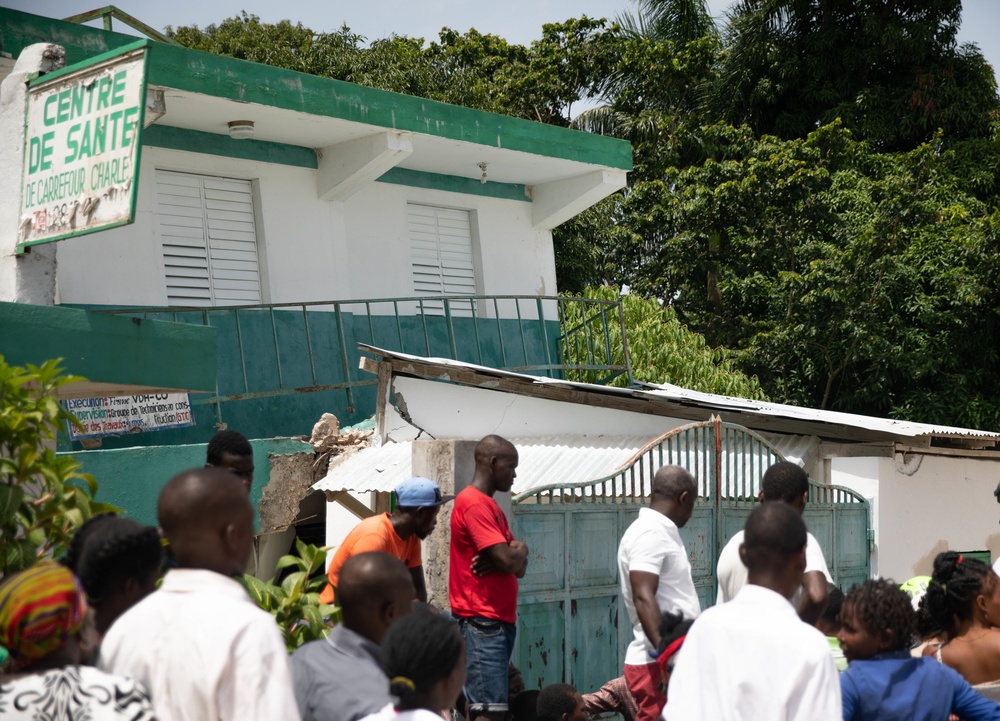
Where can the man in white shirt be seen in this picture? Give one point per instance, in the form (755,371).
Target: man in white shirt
(753,658)
(204,650)
(656,577)
(789,483)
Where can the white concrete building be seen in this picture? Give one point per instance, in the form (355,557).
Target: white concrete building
(340,191)
(259,186)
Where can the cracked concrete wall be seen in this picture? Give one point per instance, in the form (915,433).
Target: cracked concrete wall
(289,482)
(30,277)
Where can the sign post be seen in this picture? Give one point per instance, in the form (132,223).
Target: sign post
(82,145)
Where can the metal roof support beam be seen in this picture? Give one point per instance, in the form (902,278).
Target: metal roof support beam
(346,168)
(555,203)
(110,11)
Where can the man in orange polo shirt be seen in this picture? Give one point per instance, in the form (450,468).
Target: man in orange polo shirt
(398,533)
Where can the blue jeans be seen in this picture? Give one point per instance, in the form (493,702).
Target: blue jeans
(488,646)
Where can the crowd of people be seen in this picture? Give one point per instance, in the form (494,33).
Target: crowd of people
(104,633)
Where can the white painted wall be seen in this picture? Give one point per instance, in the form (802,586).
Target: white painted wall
(933,504)
(512,258)
(31,276)
(444,410)
(313,249)
(923,505)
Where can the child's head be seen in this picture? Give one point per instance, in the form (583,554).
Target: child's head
(673,626)
(117,561)
(560,702)
(423,654)
(525,706)
(829,622)
(876,616)
(960,588)
(673,631)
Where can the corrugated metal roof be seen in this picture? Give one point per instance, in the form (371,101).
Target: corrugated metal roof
(871,423)
(541,461)
(711,402)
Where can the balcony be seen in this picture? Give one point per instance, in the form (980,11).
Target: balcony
(282,365)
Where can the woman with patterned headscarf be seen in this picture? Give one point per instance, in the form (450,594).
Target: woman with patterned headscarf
(42,621)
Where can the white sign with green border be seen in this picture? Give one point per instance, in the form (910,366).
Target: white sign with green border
(82,146)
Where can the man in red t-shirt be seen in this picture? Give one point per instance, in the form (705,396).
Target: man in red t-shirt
(485,563)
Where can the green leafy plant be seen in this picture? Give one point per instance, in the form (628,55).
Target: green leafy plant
(43,497)
(295,602)
(661,348)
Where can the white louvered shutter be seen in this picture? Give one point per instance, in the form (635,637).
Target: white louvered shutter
(441,248)
(209,239)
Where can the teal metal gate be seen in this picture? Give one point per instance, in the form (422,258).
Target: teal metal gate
(572,624)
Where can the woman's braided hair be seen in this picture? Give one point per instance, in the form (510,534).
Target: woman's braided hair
(419,650)
(107,550)
(952,592)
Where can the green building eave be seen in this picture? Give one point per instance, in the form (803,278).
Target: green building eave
(116,355)
(174,66)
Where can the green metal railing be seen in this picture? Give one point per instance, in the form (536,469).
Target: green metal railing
(281,349)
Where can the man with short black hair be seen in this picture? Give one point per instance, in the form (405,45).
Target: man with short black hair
(485,562)
(753,658)
(788,483)
(198,643)
(340,677)
(655,578)
(231,451)
(398,533)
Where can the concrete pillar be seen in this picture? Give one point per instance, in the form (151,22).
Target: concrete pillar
(450,464)
(30,277)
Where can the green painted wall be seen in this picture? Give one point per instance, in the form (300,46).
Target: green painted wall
(109,349)
(279,337)
(131,478)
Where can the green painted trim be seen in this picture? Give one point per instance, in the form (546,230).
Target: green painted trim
(19,29)
(197,141)
(246,82)
(455,184)
(89,62)
(110,349)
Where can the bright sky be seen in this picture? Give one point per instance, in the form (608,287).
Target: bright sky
(516,20)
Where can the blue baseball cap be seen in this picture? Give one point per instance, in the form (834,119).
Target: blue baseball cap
(419,492)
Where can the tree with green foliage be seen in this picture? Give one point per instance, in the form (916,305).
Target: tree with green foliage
(43,496)
(892,71)
(679,21)
(661,349)
(847,279)
(540,81)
